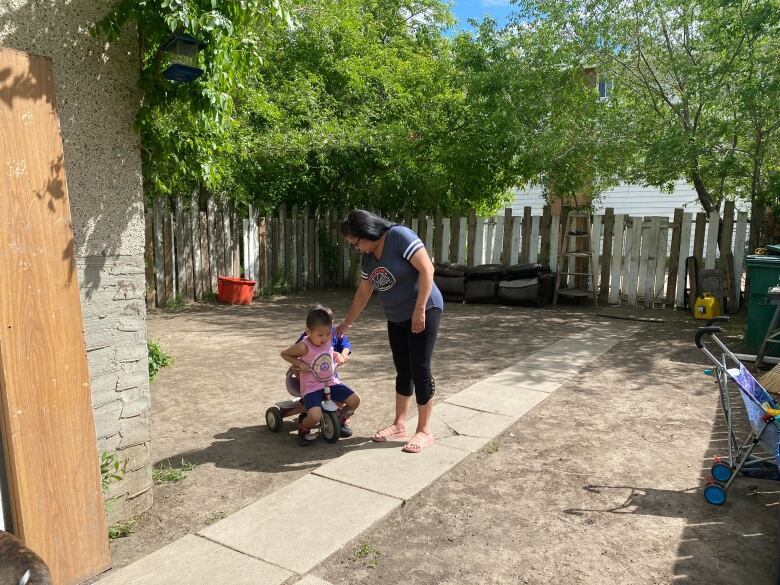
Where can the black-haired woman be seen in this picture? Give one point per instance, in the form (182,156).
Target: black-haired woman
(396,265)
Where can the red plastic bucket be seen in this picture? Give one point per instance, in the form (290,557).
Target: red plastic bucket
(235,291)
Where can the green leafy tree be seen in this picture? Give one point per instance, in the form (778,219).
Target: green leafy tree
(694,85)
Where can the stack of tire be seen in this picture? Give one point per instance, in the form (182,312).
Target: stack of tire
(527,284)
(451,280)
(519,284)
(482,283)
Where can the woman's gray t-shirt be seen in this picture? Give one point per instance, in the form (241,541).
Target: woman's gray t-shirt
(394,278)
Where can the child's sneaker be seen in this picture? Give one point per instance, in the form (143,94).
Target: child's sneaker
(306,436)
(346,423)
(346,429)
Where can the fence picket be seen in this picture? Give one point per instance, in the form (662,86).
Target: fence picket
(445,240)
(616,264)
(526,240)
(740,245)
(456,232)
(159,253)
(674,258)
(635,263)
(506,243)
(533,251)
(684,249)
(660,261)
(698,241)
(609,228)
(195,237)
(555,228)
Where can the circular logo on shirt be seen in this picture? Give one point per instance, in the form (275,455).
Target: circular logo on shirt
(322,367)
(381,279)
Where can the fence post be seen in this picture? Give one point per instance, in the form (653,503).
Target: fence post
(471,239)
(674,258)
(712,240)
(455,238)
(526,241)
(544,249)
(698,241)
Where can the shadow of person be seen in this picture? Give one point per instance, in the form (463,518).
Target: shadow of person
(255,448)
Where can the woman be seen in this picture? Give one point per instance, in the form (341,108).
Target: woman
(396,265)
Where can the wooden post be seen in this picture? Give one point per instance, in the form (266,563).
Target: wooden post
(606,257)
(294,248)
(194,230)
(660,260)
(684,249)
(546,245)
(698,242)
(674,258)
(471,241)
(526,241)
(454,237)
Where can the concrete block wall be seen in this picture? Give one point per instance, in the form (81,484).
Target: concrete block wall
(97,98)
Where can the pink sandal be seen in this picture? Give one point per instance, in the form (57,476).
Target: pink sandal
(388,434)
(418,443)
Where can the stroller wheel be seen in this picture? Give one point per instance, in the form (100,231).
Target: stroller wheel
(273,418)
(720,472)
(330,427)
(715,494)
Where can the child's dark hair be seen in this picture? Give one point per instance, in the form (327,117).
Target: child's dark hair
(319,315)
(364,224)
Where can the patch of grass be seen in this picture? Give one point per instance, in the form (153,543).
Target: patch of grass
(367,554)
(158,359)
(174,304)
(275,288)
(121,529)
(491,447)
(214,516)
(167,473)
(209,297)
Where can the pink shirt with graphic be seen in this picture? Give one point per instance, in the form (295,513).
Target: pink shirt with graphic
(321,359)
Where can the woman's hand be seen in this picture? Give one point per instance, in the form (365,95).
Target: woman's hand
(341,328)
(418,320)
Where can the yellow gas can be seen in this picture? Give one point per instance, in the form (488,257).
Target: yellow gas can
(706,307)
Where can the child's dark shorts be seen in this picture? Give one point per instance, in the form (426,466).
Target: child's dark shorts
(338,393)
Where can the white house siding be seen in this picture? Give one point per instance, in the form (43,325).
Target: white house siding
(634,200)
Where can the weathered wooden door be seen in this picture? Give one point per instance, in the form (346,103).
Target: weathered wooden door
(46,419)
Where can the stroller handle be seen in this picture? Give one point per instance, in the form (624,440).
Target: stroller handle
(702,331)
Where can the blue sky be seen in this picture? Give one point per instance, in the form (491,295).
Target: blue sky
(478,9)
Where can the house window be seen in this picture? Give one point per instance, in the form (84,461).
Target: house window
(605,88)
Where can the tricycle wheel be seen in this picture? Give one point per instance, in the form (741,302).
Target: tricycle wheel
(330,427)
(715,494)
(273,418)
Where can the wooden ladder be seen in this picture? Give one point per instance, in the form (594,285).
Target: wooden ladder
(583,249)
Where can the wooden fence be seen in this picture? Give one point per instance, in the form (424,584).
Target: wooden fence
(637,260)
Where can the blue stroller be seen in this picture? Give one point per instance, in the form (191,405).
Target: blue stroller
(762,412)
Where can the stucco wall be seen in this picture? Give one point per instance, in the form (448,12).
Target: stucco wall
(97,98)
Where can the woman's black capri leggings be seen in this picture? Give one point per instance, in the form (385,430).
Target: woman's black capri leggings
(412,356)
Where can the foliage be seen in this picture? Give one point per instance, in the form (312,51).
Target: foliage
(182,126)
(175,303)
(111,469)
(695,85)
(367,554)
(158,359)
(275,288)
(166,473)
(121,529)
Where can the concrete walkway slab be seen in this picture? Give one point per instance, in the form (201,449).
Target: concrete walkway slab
(193,560)
(303,523)
(464,443)
(391,471)
(470,422)
(504,398)
(524,376)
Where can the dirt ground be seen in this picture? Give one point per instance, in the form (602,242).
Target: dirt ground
(601,483)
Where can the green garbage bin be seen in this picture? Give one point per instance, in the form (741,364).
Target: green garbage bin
(763,272)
